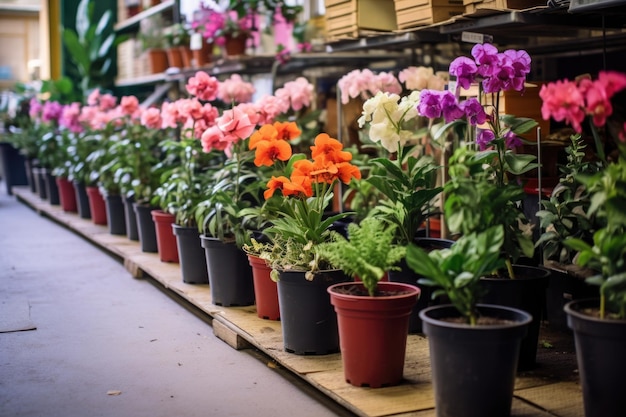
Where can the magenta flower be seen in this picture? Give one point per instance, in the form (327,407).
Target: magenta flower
(51,111)
(464,69)
(487,59)
(484,138)
(511,140)
(429,104)
(450,107)
(34,109)
(474,111)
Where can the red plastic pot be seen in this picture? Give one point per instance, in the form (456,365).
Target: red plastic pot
(373,332)
(67,195)
(97,206)
(166,240)
(265,290)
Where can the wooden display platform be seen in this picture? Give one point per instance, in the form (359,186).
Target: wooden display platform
(549,390)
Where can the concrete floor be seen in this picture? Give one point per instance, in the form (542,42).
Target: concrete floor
(100,330)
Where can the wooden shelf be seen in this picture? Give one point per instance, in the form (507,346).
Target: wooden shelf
(143,80)
(132,24)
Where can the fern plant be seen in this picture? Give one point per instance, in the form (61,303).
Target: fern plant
(368,253)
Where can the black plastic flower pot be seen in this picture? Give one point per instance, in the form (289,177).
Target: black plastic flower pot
(52,190)
(13,167)
(474,367)
(230,274)
(191,255)
(526,292)
(82,200)
(600,348)
(407,276)
(145,228)
(130,218)
(115,214)
(309,321)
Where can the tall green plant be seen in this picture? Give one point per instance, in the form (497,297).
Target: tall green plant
(91,46)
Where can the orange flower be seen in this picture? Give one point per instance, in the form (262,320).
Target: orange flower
(347,171)
(287,130)
(285,185)
(301,174)
(267,152)
(329,149)
(265,133)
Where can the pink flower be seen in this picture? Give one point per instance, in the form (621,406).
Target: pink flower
(213,138)
(364,83)
(93,97)
(107,102)
(151,118)
(129,105)
(169,115)
(252,110)
(88,114)
(612,81)
(419,78)
(35,107)
(235,89)
(299,93)
(69,118)
(203,86)
(563,102)
(270,107)
(235,124)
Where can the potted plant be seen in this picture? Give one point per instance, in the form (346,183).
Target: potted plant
(178,48)
(154,42)
(372,316)
(183,186)
(564,215)
(405,176)
(599,325)
(301,222)
(484,189)
(474,348)
(233,188)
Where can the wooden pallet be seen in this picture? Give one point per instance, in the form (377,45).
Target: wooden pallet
(549,390)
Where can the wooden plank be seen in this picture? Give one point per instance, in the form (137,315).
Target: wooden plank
(563,399)
(226,332)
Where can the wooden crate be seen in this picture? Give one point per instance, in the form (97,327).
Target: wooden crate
(412,13)
(472,6)
(348,18)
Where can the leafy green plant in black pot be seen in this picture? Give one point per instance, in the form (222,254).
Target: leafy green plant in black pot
(474,348)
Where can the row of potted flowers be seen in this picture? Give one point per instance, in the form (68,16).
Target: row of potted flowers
(249,178)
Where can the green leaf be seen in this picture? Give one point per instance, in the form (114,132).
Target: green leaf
(105,48)
(520,163)
(77,51)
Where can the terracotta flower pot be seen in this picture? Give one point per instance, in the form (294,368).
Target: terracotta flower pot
(265,290)
(235,46)
(67,195)
(373,331)
(158,60)
(202,57)
(166,240)
(97,206)
(174,58)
